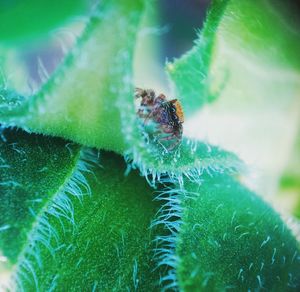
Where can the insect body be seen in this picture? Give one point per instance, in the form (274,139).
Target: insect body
(166,114)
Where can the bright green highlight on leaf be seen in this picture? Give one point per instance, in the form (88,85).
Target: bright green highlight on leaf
(263,66)
(267,29)
(230,239)
(256,35)
(261,92)
(80,100)
(21,20)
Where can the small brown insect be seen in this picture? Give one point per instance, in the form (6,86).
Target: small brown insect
(167,114)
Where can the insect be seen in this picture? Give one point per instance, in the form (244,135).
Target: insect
(166,114)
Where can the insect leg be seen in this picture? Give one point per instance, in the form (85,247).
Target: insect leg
(174,145)
(148,116)
(167,138)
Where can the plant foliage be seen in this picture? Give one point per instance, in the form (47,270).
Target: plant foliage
(80,218)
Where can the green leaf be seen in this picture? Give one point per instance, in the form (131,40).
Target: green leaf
(252,66)
(191,159)
(29,177)
(230,238)
(250,26)
(21,20)
(71,222)
(101,241)
(94,232)
(190,73)
(290,179)
(256,46)
(247,51)
(79,100)
(90,100)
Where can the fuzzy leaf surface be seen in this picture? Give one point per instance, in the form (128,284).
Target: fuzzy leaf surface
(32,169)
(247,50)
(90,100)
(229,237)
(190,73)
(79,100)
(70,222)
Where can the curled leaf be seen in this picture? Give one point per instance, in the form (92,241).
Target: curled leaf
(224,236)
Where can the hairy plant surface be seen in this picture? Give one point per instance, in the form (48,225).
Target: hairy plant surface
(80,218)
